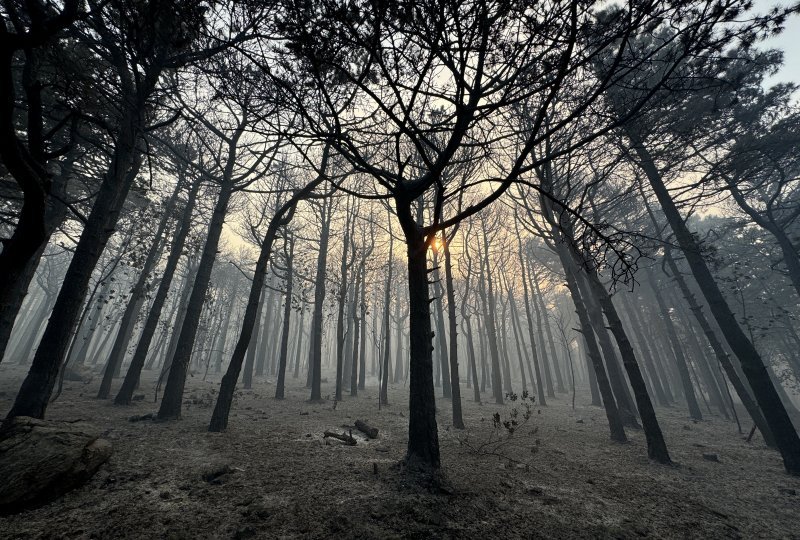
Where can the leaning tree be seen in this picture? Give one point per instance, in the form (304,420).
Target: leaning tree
(375,72)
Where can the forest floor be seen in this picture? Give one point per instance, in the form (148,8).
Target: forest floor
(272,475)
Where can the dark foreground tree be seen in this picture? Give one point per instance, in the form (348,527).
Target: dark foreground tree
(437,77)
(140,41)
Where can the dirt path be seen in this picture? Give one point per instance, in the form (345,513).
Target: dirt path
(277,476)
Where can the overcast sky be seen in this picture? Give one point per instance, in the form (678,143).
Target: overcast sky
(788,41)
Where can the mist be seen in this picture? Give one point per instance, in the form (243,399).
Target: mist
(422,269)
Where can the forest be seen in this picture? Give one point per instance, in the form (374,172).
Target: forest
(399,269)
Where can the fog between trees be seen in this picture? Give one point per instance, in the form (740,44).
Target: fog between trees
(579,204)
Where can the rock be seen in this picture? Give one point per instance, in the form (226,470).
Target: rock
(787,491)
(711,457)
(41,460)
(138,397)
(579,421)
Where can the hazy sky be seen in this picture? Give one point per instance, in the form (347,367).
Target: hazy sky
(788,41)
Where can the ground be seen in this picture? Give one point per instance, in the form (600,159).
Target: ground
(272,475)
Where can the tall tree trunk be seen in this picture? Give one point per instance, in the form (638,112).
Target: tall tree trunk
(299,347)
(252,347)
(482,340)
(33,312)
(439,293)
(287,313)
(455,379)
(362,347)
(540,297)
(529,318)
(722,357)
(548,378)
(387,330)
(398,355)
(489,310)
(423,436)
(28,347)
(700,359)
(22,252)
(594,388)
(341,298)
(265,332)
(504,349)
(521,349)
(135,300)
(315,357)
(34,395)
(176,380)
(677,349)
(350,324)
(180,315)
(222,344)
(609,403)
(753,366)
(94,317)
(648,360)
(222,408)
(625,403)
(656,447)
(473,364)
(358,322)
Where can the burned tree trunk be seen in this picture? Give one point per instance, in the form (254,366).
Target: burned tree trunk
(176,380)
(489,307)
(777,418)
(423,436)
(609,403)
(387,328)
(34,394)
(455,382)
(677,349)
(656,447)
(222,408)
(341,298)
(287,313)
(135,301)
(315,354)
